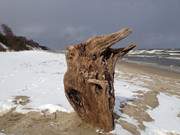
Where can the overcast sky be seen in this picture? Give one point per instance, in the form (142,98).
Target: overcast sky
(57,23)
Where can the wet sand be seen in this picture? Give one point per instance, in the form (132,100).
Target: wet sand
(60,123)
(158,81)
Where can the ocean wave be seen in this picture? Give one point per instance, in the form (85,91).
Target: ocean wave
(155,52)
(140,55)
(146,52)
(175,54)
(174,58)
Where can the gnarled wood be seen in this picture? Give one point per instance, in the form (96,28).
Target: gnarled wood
(89,78)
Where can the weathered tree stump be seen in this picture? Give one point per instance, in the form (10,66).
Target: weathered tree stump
(89,78)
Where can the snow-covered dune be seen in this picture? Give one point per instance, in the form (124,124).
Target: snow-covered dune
(36,74)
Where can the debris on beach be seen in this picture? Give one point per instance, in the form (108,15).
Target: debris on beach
(89,80)
(21,100)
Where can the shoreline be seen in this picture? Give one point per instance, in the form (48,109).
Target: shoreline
(148,69)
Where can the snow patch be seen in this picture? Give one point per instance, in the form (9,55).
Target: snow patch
(129,119)
(36,74)
(39,75)
(52,108)
(165,116)
(6,106)
(124,92)
(3,46)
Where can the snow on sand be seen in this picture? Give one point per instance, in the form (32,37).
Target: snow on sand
(36,74)
(39,76)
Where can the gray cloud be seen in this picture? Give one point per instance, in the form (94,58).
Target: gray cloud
(58,23)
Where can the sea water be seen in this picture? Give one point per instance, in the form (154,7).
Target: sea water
(167,59)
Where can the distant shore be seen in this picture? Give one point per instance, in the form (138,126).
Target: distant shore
(148,68)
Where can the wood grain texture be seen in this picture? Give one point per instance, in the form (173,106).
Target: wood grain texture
(89,80)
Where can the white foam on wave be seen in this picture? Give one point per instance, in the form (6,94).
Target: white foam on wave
(155,53)
(173,58)
(140,52)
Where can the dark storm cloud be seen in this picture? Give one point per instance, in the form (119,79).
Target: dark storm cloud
(57,23)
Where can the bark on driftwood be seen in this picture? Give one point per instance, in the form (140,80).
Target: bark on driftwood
(89,78)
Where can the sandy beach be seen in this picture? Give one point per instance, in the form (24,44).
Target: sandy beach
(147,100)
(89,67)
(158,81)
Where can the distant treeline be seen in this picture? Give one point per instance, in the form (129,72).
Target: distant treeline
(9,41)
